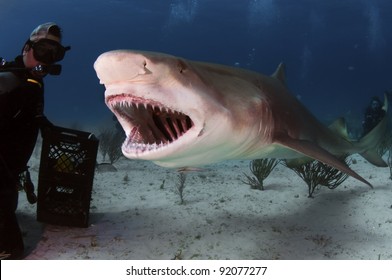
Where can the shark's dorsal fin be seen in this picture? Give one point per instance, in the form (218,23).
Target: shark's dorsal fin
(314,151)
(280,73)
(339,126)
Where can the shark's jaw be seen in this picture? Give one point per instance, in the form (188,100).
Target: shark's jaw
(152,128)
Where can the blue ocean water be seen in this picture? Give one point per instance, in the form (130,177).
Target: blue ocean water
(337,52)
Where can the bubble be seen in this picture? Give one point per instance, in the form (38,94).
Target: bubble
(375,34)
(262,12)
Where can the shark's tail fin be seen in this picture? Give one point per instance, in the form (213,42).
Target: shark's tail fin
(372,141)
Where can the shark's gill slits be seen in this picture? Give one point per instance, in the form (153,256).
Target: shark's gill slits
(171,124)
(151,126)
(161,127)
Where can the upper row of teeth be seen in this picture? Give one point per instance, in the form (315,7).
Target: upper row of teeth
(146,106)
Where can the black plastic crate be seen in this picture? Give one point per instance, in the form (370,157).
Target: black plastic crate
(66,176)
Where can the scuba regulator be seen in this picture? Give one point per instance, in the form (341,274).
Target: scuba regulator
(54,69)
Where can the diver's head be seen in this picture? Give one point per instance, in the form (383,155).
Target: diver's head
(44,46)
(376,103)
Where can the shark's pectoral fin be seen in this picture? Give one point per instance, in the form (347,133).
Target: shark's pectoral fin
(312,150)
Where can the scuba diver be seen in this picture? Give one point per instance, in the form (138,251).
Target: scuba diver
(373,115)
(21,118)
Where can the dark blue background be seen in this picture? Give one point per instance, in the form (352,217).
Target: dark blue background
(337,52)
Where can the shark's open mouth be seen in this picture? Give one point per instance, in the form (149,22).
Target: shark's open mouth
(148,124)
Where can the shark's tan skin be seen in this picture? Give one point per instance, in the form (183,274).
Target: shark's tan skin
(180,113)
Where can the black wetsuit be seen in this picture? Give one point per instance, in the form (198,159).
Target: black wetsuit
(21,117)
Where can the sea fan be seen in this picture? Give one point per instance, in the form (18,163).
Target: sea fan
(260,168)
(316,173)
(180,186)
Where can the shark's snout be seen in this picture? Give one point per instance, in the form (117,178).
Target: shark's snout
(120,65)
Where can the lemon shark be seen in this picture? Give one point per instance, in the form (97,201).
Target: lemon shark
(183,114)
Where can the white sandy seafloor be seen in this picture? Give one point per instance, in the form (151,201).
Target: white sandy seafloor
(222,218)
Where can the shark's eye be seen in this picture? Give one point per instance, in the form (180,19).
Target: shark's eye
(181,66)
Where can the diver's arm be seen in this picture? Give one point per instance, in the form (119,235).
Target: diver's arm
(43,122)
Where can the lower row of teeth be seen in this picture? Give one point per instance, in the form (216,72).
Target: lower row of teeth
(144,147)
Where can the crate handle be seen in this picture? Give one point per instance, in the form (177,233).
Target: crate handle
(69,134)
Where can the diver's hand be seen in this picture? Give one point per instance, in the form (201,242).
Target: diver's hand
(45,125)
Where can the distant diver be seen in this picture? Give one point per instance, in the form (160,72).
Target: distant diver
(373,115)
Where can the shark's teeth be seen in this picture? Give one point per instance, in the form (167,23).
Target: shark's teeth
(142,148)
(151,125)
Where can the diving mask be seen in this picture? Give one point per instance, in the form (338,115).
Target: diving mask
(48,51)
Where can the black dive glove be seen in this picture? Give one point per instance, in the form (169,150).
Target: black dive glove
(45,125)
